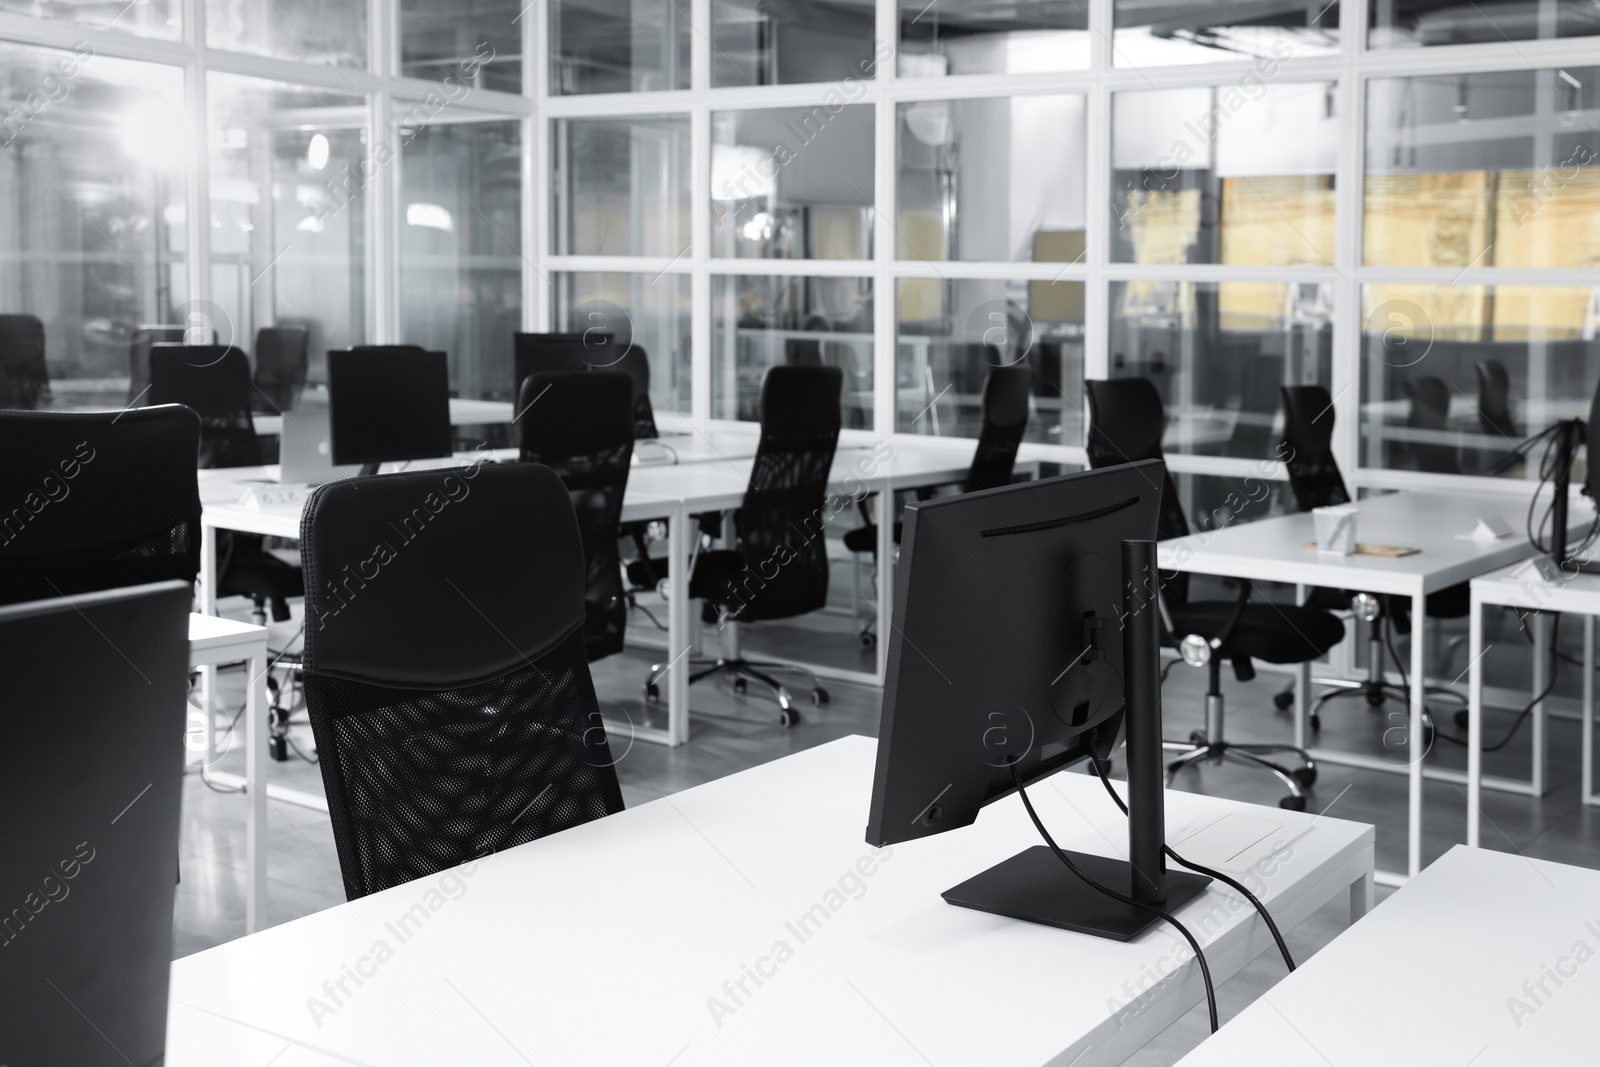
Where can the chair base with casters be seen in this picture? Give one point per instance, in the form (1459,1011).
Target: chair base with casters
(743,672)
(1210,744)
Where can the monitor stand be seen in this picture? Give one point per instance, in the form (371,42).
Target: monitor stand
(1035,885)
(369,469)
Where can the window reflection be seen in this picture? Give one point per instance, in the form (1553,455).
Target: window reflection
(626,186)
(1159,32)
(1006,38)
(648,312)
(1425,23)
(642,46)
(480,47)
(759,42)
(326,32)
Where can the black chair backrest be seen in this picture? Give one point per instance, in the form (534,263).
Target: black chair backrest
(635,363)
(1307,448)
(97,500)
(1126,422)
(139,356)
(445,677)
(1430,410)
(802,352)
(214,382)
(282,361)
(783,519)
(1005,420)
(581,427)
(1494,400)
(23,376)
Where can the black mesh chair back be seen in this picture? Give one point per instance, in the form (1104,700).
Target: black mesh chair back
(1430,410)
(1126,422)
(139,357)
(581,427)
(1494,400)
(214,382)
(1005,420)
(1307,448)
(781,522)
(282,361)
(635,363)
(23,376)
(445,676)
(97,500)
(802,352)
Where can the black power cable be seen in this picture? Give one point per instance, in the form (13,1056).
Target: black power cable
(1197,868)
(1555,660)
(1205,969)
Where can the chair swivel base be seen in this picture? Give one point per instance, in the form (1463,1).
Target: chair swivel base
(1200,747)
(1378,693)
(743,672)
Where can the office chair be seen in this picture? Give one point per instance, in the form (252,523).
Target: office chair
(281,367)
(802,352)
(1005,421)
(1430,410)
(98,500)
(1126,421)
(583,430)
(139,356)
(635,363)
(23,375)
(777,566)
(1314,478)
(452,707)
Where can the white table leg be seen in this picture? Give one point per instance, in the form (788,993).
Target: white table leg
(884,515)
(1541,678)
(1302,683)
(678,542)
(1588,710)
(255,757)
(1474,721)
(1361,896)
(1419,666)
(208,569)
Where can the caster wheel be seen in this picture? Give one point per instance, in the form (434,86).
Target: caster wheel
(819,697)
(1293,803)
(869,640)
(1316,724)
(1283,701)
(740,685)
(278,748)
(1306,776)
(1427,736)
(1374,700)
(652,692)
(788,717)
(1463,720)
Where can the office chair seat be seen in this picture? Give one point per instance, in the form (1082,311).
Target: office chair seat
(1273,633)
(865,538)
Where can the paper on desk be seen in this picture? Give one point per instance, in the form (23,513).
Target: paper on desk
(1488,530)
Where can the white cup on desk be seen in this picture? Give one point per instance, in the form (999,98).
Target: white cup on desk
(1336,529)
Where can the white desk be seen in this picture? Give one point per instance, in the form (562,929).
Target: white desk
(1273,550)
(544,955)
(1433,975)
(1578,594)
(213,641)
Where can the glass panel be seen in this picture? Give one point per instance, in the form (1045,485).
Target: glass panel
(645,311)
(92,189)
(1000,178)
(952,332)
(1483,170)
(1238,173)
(142,18)
(1009,38)
(639,46)
(760,321)
(330,32)
(757,42)
(460,268)
(792,183)
(1425,23)
(1455,375)
(1174,31)
(289,170)
(479,47)
(621,186)
(1212,501)
(1218,351)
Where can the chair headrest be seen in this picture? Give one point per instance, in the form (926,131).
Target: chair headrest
(575,413)
(801,401)
(1126,421)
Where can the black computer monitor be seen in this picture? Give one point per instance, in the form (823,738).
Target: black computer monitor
(91,774)
(388,404)
(536,352)
(1007,657)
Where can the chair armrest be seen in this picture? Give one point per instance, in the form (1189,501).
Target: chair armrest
(1235,615)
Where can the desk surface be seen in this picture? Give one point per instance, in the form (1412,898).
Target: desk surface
(607,943)
(1435,974)
(1274,549)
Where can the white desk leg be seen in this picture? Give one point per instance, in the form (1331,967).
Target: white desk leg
(1362,891)
(678,541)
(1541,677)
(255,757)
(1588,710)
(1474,722)
(884,515)
(1302,683)
(1419,666)
(208,569)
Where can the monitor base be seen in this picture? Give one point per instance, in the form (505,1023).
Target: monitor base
(1036,887)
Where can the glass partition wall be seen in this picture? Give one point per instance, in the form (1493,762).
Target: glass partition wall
(1398,202)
